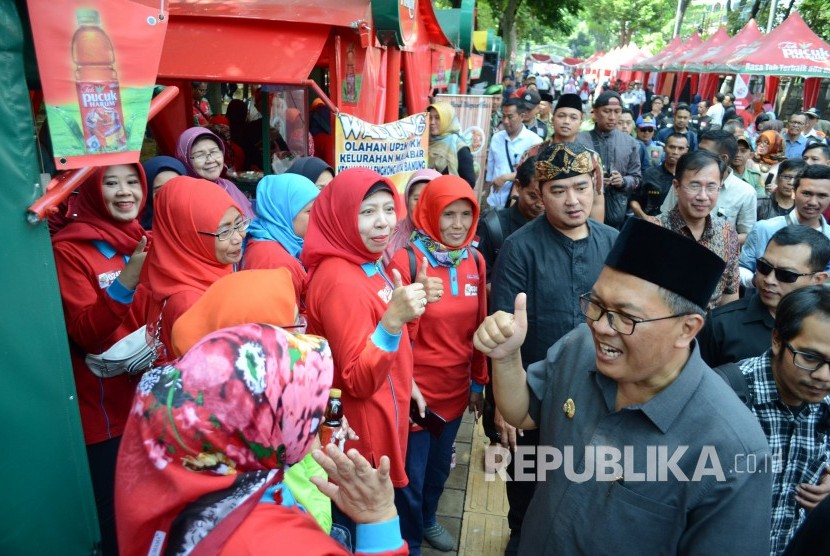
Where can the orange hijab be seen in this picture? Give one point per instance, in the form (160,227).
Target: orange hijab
(435,197)
(262,296)
(776,147)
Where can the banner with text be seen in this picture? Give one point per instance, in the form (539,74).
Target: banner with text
(474,113)
(394,150)
(98,62)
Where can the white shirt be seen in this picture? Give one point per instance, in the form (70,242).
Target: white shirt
(498,163)
(737,203)
(716,113)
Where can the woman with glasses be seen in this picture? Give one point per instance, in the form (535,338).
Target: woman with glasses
(203,154)
(199,231)
(363,311)
(275,238)
(449,375)
(99,256)
(780,200)
(769,151)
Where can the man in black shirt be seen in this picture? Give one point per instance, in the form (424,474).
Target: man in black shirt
(795,258)
(658,181)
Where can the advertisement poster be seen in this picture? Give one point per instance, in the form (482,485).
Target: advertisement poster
(442,66)
(741,92)
(98,62)
(476,62)
(352,72)
(473,112)
(394,150)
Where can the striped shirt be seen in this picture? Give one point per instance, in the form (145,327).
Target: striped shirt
(798,439)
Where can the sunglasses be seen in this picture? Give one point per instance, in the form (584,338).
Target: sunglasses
(783,276)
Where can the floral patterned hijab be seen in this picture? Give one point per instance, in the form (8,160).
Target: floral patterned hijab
(209,433)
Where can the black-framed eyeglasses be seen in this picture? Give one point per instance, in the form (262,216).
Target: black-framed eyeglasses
(783,276)
(225,233)
(622,323)
(809,362)
(787,177)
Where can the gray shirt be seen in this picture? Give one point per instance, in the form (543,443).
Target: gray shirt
(709,514)
(618,151)
(553,270)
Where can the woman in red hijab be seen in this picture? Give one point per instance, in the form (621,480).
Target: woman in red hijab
(99,256)
(363,311)
(209,438)
(199,231)
(449,373)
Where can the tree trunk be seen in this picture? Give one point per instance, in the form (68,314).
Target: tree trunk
(507,22)
(789,9)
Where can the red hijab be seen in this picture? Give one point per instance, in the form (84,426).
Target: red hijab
(332,226)
(435,197)
(182,259)
(94,221)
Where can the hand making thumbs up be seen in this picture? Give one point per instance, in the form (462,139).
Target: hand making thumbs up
(407,304)
(502,334)
(433,285)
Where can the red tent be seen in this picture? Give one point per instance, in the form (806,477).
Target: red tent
(653,63)
(792,48)
(703,63)
(677,64)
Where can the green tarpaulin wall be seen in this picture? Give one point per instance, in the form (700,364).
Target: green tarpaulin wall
(46,503)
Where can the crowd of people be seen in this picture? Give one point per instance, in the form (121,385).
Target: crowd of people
(618,254)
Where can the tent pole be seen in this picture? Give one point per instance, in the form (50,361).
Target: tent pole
(677,19)
(772,9)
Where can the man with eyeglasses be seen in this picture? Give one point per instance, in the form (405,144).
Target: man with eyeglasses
(553,258)
(697,183)
(812,197)
(789,387)
(794,141)
(630,380)
(779,193)
(795,258)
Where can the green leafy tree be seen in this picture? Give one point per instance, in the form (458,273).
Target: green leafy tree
(817,16)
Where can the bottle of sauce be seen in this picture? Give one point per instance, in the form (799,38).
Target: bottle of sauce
(334,420)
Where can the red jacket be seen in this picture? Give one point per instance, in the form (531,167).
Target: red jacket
(267,254)
(445,359)
(94,322)
(345,306)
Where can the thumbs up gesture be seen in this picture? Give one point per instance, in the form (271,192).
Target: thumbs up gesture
(502,334)
(407,304)
(433,286)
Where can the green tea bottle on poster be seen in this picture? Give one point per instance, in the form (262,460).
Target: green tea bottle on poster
(99,95)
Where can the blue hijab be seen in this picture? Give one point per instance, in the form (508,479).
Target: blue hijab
(278,201)
(152,168)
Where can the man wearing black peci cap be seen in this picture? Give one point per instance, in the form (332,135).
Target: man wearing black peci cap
(618,391)
(553,258)
(619,153)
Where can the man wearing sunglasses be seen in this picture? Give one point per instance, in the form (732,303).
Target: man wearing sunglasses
(795,258)
(631,380)
(812,197)
(790,390)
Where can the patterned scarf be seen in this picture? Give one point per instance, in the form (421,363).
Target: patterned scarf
(444,256)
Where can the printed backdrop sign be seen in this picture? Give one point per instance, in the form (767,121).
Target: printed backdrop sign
(394,150)
(98,62)
(473,112)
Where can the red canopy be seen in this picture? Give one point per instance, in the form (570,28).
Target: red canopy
(718,38)
(692,43)
(792,48)
(653,63)
(745,36)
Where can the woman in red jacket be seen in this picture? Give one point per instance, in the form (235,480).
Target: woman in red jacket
(449,373)
(99,256)
(199,232)
(363,311)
